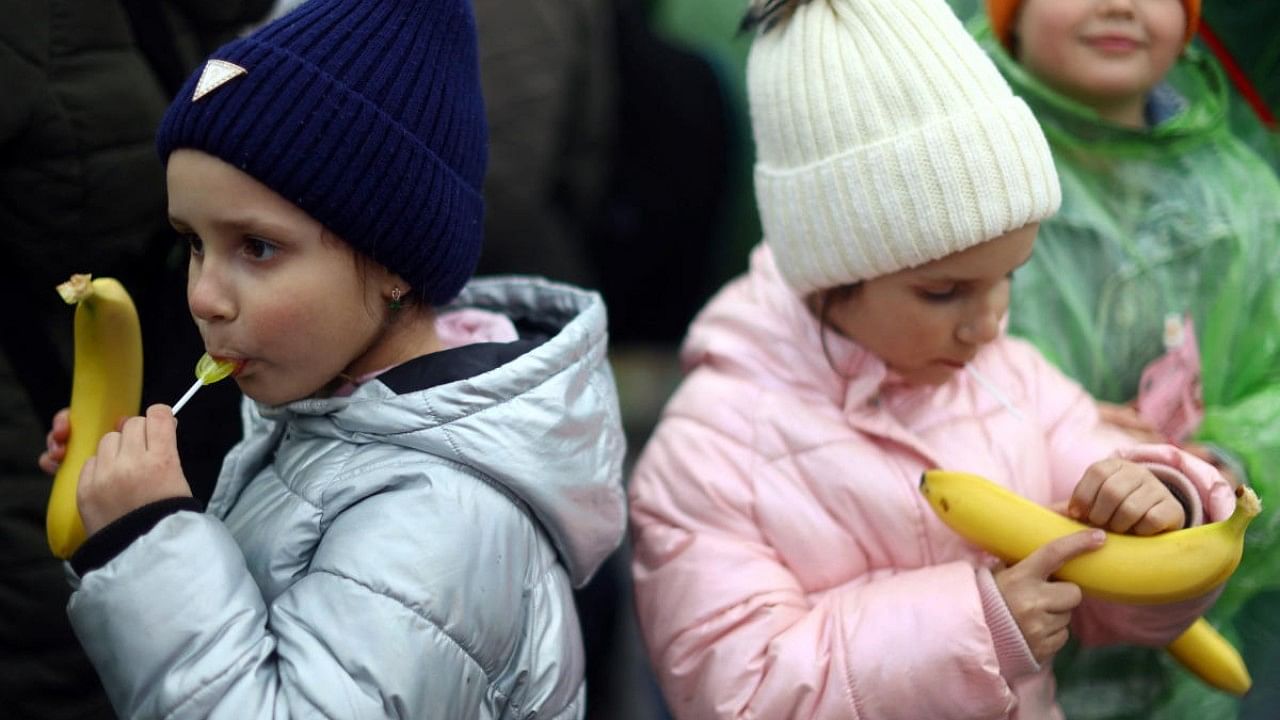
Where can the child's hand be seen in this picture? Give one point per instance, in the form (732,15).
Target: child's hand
(1042,607)
(134,467)
(1127,419)
(56,442)
(1125,497)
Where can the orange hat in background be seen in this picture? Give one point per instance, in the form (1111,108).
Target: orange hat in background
(1002,14)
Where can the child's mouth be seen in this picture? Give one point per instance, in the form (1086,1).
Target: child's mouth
(1116,44)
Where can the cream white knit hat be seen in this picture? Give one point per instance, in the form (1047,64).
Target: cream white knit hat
(885,138)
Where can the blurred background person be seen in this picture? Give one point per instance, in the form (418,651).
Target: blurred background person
(82,190)
(550,77)
(1244,38)
(1154,286)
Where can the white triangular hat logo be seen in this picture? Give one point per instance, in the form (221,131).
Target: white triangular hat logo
(216,74)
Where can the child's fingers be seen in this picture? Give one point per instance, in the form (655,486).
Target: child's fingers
(1164,516)
(1127,419)
(59,433)
(61,426)
(1148,510)
(1133,484)
(85,484)
(133,435)
(161,427)
(1134,508)
(109,445)
(1053,643)
(85,489)
(1050,557)
(1115,490)
(55,448)
(1113,494)
(1118,415)
(48,463)
(1062,597)
(1086,491)
(55,442)
(1122,416)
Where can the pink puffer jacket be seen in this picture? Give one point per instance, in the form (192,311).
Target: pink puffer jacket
(786,565)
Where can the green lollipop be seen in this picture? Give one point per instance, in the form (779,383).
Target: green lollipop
(208,371)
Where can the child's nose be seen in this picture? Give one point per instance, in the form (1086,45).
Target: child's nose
(982,327)
(207,296)
(1117,6)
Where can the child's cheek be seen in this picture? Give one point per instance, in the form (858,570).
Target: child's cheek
(1048,28)
(285,328)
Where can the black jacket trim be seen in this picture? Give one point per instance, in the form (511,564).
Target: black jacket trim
(103,546)
(446,366)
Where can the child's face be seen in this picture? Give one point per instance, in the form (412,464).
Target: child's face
(1103,53)
(268,285)
(926,323)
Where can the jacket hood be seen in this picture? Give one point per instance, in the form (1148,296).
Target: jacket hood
(544,428)
(758,328)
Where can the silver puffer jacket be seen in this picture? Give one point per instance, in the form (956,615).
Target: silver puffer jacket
(384,555)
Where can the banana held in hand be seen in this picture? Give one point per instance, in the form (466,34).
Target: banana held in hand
(1162,568)
(106,386)
(1207,654)
(1011,527)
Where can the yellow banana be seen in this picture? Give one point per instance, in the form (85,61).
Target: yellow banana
(106,386)
(1129,569)
(1195,561)
(1207,654)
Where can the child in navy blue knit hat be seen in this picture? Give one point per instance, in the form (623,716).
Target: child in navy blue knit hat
(429,465)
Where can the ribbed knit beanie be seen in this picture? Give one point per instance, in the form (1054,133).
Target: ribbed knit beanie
(1004,13)
(366,114)
(885,139)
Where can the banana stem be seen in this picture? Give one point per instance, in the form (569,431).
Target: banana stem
(76,288)
(1247,505)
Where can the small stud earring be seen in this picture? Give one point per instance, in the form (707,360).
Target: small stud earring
(395,303)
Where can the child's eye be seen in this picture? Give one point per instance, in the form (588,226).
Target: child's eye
(938,294)
(193,243)
(259,249)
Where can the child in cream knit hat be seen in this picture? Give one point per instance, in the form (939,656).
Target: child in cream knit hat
(786,564)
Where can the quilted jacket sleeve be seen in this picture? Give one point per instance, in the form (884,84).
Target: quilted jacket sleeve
(385,623)
(733,634)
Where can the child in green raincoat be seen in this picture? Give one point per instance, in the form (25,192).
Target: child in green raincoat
(1156,287)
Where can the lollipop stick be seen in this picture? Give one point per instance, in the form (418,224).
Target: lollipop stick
(187,396)
(991,388)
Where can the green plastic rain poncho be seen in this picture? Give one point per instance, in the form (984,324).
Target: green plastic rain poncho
(1179,218)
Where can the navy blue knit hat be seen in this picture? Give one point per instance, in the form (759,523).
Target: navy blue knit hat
(366,114)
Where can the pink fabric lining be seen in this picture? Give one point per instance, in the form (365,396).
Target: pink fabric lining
(454,330)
